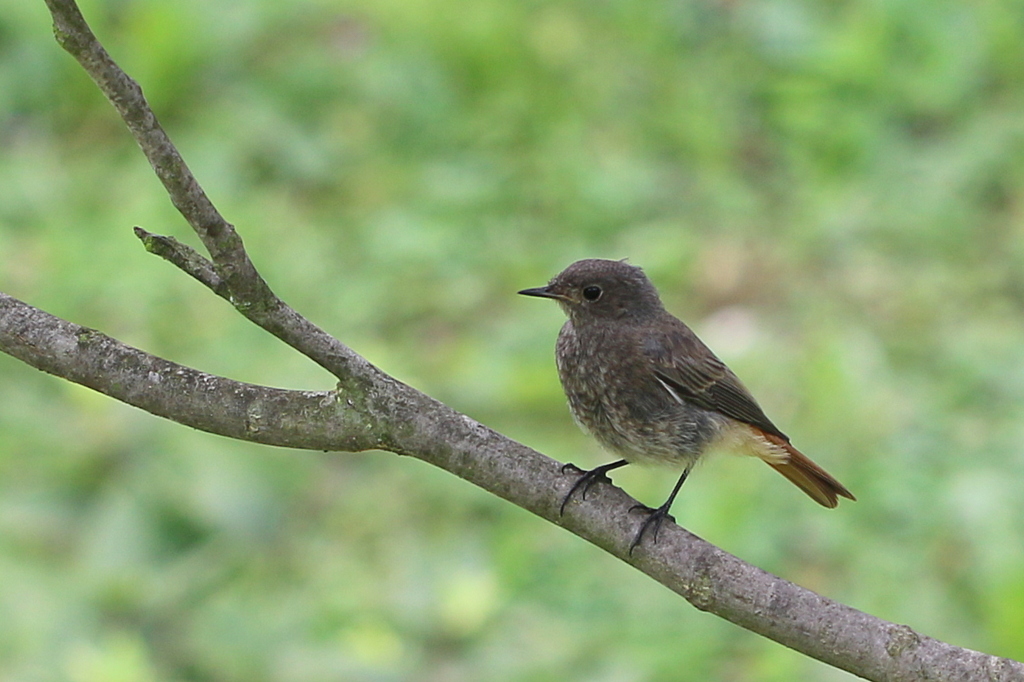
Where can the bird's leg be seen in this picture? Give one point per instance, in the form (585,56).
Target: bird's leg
(588,479)
(656,516)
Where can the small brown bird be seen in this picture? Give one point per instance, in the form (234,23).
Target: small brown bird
(643,384)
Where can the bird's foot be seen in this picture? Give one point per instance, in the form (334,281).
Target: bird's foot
(587,480)
(655,517)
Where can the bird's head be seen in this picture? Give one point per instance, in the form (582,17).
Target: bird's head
(601,289)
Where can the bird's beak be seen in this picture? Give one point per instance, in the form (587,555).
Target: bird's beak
(542,292)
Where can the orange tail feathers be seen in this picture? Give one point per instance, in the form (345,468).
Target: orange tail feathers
(808,476)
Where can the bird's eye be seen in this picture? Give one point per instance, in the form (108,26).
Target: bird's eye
(592,293)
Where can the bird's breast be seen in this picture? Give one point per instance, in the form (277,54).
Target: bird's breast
(614,395)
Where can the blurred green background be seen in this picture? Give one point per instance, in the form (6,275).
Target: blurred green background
(831,193)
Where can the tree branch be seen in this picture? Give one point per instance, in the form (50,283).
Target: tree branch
(372,410)
(242,284)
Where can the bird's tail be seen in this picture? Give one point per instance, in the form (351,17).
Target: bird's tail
(808,476)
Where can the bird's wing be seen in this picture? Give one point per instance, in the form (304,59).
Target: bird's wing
(690,371)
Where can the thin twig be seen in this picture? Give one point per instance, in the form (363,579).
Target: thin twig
(185,258)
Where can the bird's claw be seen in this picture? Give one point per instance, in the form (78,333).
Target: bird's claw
(587,481)
(655,517)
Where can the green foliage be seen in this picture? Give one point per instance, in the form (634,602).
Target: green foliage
(830,193)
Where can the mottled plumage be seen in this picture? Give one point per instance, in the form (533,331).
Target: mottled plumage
(649,390)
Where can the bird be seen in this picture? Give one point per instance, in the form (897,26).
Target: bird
(649,390)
